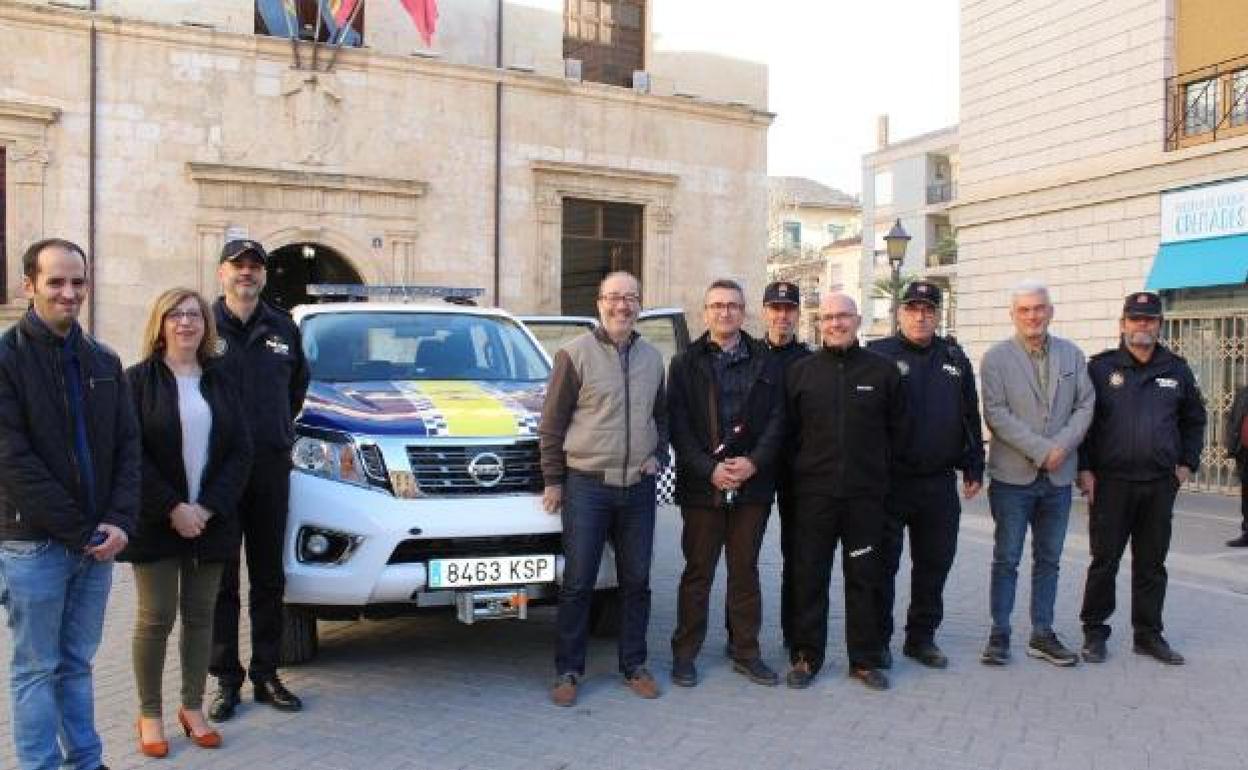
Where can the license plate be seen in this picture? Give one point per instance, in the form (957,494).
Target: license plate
(491,571)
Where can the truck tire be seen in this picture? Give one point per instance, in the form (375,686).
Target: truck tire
(299,638)
(604,613)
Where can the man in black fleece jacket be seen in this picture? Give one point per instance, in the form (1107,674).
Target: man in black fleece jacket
(848,411)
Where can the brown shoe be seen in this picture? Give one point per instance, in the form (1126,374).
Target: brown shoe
(642,683)
(564,691)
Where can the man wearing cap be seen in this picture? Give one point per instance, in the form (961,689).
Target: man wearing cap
(1147,433)
(945,436)
(781,309)
(264,354)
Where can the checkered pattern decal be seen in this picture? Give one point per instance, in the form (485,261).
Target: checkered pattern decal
(665,487)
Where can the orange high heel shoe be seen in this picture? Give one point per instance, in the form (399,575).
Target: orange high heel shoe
(209,740)
(156,749)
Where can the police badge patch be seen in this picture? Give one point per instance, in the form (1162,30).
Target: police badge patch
(903,367)
(220,347)
(1116,379)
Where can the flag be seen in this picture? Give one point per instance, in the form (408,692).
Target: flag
(342,10)
(424,14)
(280,17)
(334,16)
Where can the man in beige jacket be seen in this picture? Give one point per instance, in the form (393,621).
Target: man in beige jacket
(603,440)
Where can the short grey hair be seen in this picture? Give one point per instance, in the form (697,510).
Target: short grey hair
(1030,286)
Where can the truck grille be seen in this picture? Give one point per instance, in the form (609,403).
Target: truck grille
(414,551)
(475,470)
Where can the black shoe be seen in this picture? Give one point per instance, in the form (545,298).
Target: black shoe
(926,653)
(886,658)
(997,652)
(801,675)
(684,674)
(1047,646)
(1239,542)
(224,703)
(757,671)
(873,678)
(274,693)
(1158,648)
(1094,649)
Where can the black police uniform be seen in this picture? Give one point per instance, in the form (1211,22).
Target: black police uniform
(265,357)
(786,500)
(946,434)
(1149,418)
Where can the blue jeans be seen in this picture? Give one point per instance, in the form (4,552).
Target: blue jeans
(593,513)
(55,600)
(1046,508)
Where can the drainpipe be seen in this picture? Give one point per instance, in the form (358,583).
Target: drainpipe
(498,157)
(92,170)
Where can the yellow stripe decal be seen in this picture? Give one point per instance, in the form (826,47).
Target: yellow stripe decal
(469,409)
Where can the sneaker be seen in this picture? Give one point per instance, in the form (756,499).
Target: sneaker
(564,691)
(1046,646)
(1094,649)
(757,671)
(684,674)
(1239,542)
(873,678)
(1156,646)
(926,653)
(642,683)
(997,651)
(801,674)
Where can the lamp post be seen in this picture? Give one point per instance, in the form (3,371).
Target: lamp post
(895,243)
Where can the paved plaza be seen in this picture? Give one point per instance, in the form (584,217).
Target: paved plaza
(431,693)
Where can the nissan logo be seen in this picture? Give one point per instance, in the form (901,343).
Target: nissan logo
(486,469)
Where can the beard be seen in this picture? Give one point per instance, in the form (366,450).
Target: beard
(1140,339)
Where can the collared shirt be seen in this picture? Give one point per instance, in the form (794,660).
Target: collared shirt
(731,383)
(1039,361)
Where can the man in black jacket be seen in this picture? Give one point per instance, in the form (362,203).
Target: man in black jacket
(1147,432)
(69,496)
(1236,441)
(946,436)
(726,411)
(781,303)
(849,414)
(264,353)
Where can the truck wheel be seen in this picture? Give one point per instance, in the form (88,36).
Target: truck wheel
(299,639)
(604,613)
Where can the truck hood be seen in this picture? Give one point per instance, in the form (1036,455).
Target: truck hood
(425,408)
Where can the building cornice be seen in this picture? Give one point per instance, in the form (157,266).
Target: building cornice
(35,113)
(589,171)
(270,177)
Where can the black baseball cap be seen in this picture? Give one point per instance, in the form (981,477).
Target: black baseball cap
(233,250)
(1142,303)
(781,293)
(921,291)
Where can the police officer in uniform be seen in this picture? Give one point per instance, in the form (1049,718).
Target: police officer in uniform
(1145,441)
(264,353)
(781,310)
(939,383)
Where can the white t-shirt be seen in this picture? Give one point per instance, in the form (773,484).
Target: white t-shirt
(196,428)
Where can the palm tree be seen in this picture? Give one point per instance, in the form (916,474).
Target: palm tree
(887,288)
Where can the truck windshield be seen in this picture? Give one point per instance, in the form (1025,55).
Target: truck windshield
(358,347)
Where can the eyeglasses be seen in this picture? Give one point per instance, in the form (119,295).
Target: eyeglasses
(725,307)
(838,317)
(190,316)
(615,299)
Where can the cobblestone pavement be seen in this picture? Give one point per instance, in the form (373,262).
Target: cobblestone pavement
(431,693)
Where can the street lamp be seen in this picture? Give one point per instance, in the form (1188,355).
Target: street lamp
(895,242)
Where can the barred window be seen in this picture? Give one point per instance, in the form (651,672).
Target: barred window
(607,36)
(1239,98)
(598,238)
(1200,106)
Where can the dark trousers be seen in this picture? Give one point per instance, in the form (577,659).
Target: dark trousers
(929,507)
(1241,463)
(594,513)
(786,506)
(822,523)
(262,514)
(1139,511)
(738,532)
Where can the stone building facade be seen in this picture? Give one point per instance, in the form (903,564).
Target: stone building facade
(386,168)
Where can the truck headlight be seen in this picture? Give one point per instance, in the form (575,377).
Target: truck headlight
(337,460)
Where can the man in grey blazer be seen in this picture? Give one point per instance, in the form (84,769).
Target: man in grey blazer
(1038,404)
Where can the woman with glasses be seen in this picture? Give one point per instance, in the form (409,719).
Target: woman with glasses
(196,457)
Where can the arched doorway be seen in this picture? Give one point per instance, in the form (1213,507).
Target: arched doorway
(292,267)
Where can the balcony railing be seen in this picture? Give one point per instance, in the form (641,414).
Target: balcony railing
(941,192)
(942,258)
(1207,104)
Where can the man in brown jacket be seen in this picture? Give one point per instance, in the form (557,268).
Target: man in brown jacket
(603,440)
